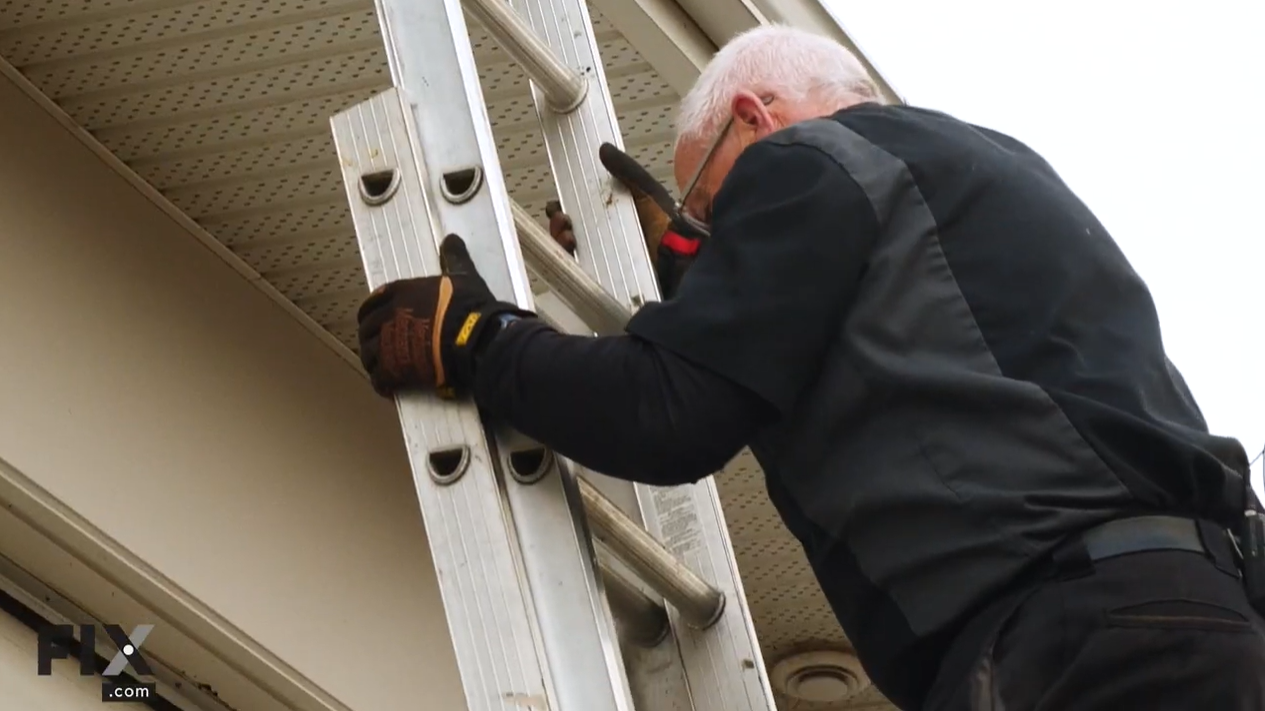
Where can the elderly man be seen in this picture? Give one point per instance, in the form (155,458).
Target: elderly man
(951,376)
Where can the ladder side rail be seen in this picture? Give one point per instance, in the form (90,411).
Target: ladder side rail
(724,666)
(472,543)
(650,654)
(433,68)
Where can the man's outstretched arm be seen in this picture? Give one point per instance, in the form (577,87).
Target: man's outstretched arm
(618,405)
(698,375)
(702,373)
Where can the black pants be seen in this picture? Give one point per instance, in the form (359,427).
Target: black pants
(1150,631)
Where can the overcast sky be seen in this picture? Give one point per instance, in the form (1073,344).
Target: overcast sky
(1152,112)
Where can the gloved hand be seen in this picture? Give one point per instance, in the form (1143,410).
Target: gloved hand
(560,226)
(424,333)
(672,243)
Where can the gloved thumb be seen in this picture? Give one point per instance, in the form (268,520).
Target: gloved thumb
(455,262)
(454,258)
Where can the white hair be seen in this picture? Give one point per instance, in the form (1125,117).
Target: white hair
(789,63)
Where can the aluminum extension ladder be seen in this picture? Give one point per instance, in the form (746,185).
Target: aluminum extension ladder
(528,594)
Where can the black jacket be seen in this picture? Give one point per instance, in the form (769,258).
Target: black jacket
(941,359)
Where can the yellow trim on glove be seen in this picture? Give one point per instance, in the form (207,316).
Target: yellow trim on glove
(466,329)
(441,309)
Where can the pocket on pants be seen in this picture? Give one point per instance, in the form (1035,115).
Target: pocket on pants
(1179,615)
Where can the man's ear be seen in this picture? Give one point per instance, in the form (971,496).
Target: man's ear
(750,111)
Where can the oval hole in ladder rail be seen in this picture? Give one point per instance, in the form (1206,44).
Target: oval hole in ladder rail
(379,186)
(528,466)
(448,464)
(459,186)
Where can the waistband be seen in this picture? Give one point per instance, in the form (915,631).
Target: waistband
(1140,534)
(1073,558)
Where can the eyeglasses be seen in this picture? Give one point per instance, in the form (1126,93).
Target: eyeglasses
(704,228)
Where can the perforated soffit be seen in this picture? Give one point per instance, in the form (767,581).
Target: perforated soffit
(224,107)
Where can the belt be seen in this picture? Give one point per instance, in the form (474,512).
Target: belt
(1141,534)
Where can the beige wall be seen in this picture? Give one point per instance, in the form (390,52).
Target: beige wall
(149,387)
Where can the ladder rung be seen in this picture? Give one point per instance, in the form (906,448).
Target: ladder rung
(643,620)
(590,302)
(564,88)
(699,603)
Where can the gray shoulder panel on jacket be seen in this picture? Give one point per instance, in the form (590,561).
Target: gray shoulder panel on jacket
(912,328)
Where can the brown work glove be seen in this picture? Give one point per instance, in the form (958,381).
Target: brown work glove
(672,244)
(424,333)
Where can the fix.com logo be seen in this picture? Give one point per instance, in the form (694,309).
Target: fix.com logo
(59,642)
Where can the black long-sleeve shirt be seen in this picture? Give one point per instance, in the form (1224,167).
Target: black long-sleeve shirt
(647,414)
